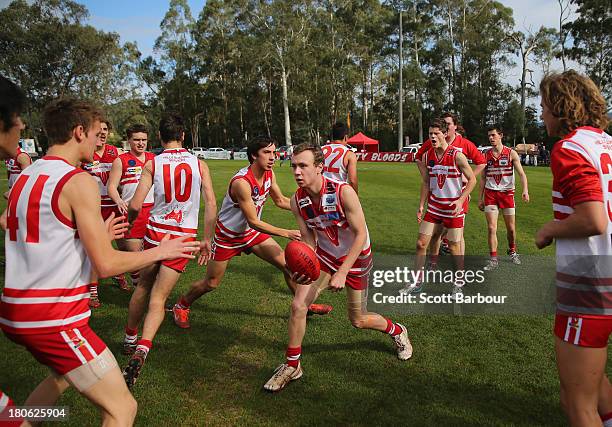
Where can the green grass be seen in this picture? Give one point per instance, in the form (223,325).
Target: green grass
(466,370)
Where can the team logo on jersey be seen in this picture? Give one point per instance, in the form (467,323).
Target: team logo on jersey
(131,162)
(441,180)
(497,178)
(503,162)
(431,163)
(329,203)
(134,170)
(334,216)
(176,215)
(267,184)
(489,162)
(256,191)
(304,202)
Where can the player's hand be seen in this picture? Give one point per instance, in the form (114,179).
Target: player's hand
(123,207)
(481,205)
(542,239)
(293,235)
(457,206)
(526,197)
(116,227)
(419,214)
(338,281)
(205,252)
(301,279)
(180,247)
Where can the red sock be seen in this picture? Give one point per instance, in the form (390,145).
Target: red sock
(606,419)
(131,332)
(293,356)
(493,254)
(392,329)
(445,241)
(144,345)
(512,247)
(434,258)
(183,303)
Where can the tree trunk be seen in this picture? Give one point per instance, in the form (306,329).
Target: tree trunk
(286,106)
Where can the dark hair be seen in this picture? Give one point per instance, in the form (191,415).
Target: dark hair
(496,128)
(171,127)
(61,116)
(339,131)
(136,128)
(107,122)
(440,124)
(452,116)
(257,144)
(319,158)
(575,100)
(12,103)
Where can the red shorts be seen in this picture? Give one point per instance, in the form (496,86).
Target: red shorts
(358,283)
(583,331)
(178,264)
(62,351)
(456,222)
(139,228)
(108,210)
(501,199)
(222,250)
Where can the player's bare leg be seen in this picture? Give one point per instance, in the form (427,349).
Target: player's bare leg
(434,246)
(581,372)
(131,245)
(510,220)
(138,306)
(271,252)
(291,370)
(164,283)
(604,404)
(215,270)
(491,214)
(455,237)
(426,230)
(361,318)
(114,400)
(48,391)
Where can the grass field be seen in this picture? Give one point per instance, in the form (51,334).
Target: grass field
(466,370)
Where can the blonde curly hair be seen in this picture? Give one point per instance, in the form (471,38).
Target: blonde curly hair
(575,100)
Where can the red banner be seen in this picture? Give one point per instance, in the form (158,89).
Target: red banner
(386,157)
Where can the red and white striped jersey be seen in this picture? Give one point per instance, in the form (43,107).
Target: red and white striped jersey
(47,268)
(177,186)
(333,234)
(445,183)
(100,170)
(334,167)
(582,171)
(131,169)
(13,168)
(499,171)
(232,226)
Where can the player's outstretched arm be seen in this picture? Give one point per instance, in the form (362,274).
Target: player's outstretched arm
(481,188)
(357,224)
(516,162)
(241,192)
(210,213)
(80,202)
(279,199)
(351,167)
(466,170)
(113,186)
(307,235)
(144,185)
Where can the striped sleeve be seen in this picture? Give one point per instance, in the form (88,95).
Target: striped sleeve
(574,176)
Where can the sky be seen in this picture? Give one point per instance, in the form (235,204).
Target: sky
(138,20)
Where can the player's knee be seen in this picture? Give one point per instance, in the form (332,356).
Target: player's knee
(421,244)
(299,309)
(492,227)
(210,283)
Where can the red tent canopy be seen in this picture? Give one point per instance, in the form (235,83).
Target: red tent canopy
(362,142)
